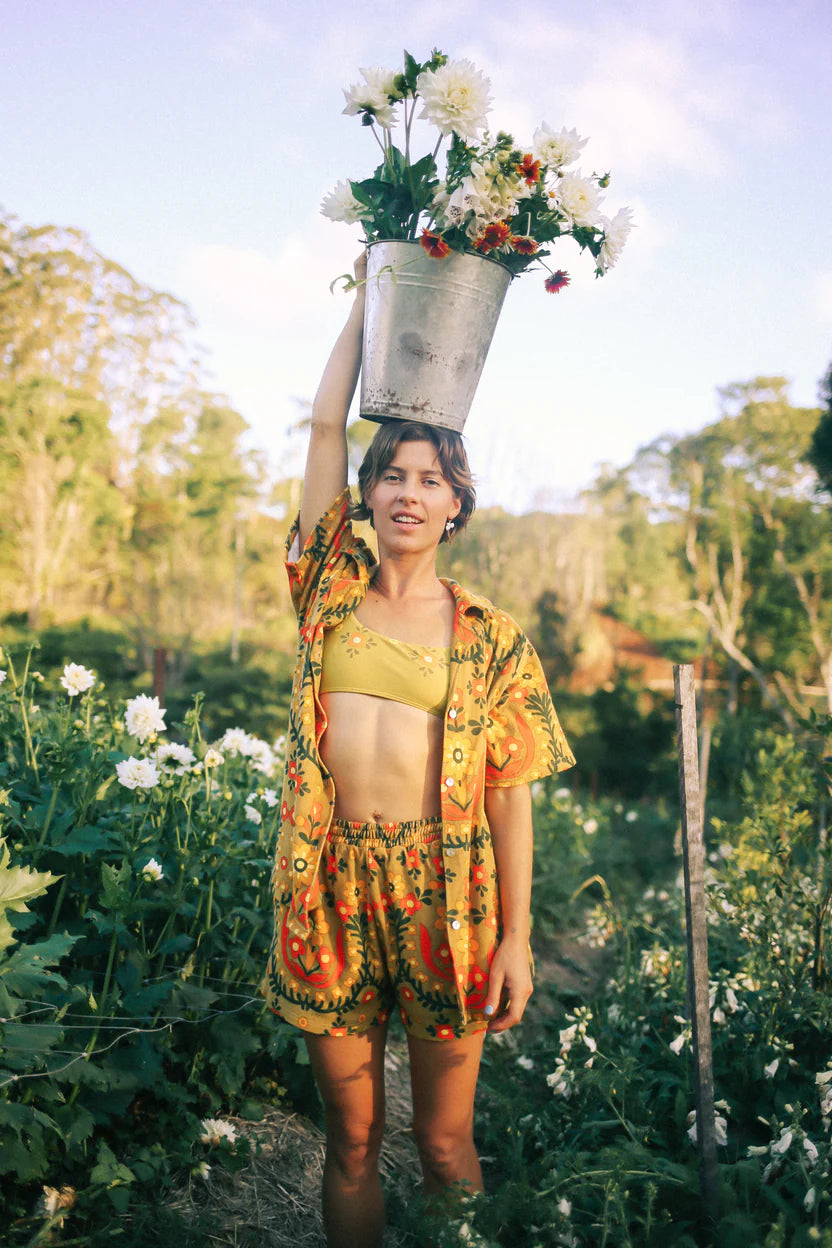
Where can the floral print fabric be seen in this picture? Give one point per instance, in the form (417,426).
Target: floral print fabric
(500,729)
(379,938)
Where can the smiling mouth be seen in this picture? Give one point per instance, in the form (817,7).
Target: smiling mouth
(406,520)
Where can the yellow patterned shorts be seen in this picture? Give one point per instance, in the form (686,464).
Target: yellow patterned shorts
(379,939)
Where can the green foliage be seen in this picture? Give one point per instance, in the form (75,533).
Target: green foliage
(586,1121)
(128,996)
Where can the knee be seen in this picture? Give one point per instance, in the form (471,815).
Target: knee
(443,1150)
(352,1145)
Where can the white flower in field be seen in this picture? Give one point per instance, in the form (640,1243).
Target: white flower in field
(563,795)
(144,717)
(137,773)
(679,1043)
(616,233)
(261,755)
(614,1012)
(3,676)
(525,1062)
(252,814)
(567,1036)
(811,1150)
(783,1144)
(757,1150)
(591,826)
(270,797)
(579,199)
(33,710)
(561,1080)
(456,99)
(662,895)
(557,148)
(201,1171)
(367,98)
(341,205)
(174,755)
(718,1015)
(152,872)
(771,1070)
(213,758)
(383,79)
(235,741)
(809,1200)
(720,1128)
(823,1077)
(631,816)
(76,679)
(590,1044)
(564,1207)
(214,1130)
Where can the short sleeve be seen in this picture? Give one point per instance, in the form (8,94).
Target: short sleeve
(524,738)
(330,548)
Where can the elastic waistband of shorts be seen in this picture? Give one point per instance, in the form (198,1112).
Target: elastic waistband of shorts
(408,832)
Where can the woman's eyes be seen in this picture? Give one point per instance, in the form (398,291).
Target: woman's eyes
(394,476)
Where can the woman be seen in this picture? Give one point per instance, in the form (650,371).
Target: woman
(419,717)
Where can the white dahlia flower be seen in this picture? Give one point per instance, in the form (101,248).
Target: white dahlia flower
(137,773)
(557,148)
(616,233)
(578,199)
(76,679)
(456,99)
(364,97)
(144,717)
(341,205)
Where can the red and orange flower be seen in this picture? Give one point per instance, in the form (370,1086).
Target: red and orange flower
(493,236)
(434,245)
(556,281)
(529,168)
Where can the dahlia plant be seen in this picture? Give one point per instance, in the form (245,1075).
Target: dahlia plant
(495,197)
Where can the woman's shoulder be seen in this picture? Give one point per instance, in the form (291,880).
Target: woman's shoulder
(493,618)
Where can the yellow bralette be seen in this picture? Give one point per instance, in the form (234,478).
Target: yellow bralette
(358,660)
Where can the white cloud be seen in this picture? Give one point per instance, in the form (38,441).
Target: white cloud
(267,292)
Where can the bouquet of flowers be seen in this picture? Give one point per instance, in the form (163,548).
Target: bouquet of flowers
(496,198)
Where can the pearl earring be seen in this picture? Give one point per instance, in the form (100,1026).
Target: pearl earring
(449,527)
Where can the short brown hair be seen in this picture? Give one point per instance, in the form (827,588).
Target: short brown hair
(450,451)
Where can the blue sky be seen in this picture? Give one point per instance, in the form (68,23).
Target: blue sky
(194,139)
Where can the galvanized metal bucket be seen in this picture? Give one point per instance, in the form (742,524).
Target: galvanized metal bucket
(427,329)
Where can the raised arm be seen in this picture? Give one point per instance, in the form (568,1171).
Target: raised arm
(326,458)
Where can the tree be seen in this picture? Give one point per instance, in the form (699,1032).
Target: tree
(820,452)
(57,469)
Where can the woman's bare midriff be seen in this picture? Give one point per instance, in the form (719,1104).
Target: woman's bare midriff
(384,757)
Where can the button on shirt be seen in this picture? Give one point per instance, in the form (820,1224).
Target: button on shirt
(500,729)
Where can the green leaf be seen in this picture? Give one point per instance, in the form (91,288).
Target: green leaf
(108,1170)
(114,896)
(412,70)
(86,840)
(28,968)
(26,1161)
(17,886)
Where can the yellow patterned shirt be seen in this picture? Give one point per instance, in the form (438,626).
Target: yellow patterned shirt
(500,729)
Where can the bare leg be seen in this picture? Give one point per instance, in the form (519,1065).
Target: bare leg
(349,1072)
(444,1078)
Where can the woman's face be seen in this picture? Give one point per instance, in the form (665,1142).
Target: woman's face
(411,501)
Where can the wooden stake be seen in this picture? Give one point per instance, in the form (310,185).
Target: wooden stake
(160,659)
(693,854)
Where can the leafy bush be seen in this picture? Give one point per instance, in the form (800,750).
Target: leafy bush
(608,1156)
(136,917)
